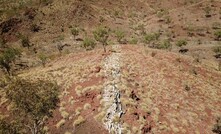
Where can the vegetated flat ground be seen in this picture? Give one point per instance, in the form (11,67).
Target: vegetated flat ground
(161,91)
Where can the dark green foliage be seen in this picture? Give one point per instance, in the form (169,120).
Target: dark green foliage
(101,34)
(89,44)
(181,43)
(8,57)
(33,101)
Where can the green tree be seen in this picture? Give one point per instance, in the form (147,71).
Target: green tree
(33,102)
(8,57)
(89,44)
(75,32)
(101,34)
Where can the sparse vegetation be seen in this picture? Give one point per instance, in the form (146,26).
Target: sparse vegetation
(101,34)
(3,43)
(88,43)
(79,121)
(9,128)
(43,58)
(148,38)
(8,57)
(165,44)
(75,32)
(33,101)
(217,126)
(181,43)
(218,35)
(133,40)
(217,50)
(207,11)
(120,35)
(25,41)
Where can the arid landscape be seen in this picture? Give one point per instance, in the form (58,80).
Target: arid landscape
(119,67)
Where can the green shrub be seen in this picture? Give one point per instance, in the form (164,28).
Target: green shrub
(133,40)
(148,38)
(75,31)
(181,43)
(2,43)
(89,44)
(7,57)
(164,45)
(43,58)
(25,41)
(217,50)
(207,10)
(101,34)
(218,35)
(8,128)
(33,101)
(120,35)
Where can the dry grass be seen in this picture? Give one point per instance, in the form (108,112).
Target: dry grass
(79,121)
(60,123)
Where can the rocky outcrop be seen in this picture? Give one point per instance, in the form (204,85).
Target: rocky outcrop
(111,96)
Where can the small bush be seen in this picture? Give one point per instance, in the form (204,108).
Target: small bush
(218,35)
(8,128)
(87,106)
(181,43)
(151,37)
(60,123)
(3,43)
(133,41)
(43,58)
(75,31)
(79,121)
(216,25)
(25,41)
(164,45)
(34,28)
(217,50)
(120,35)
(89,44)
(8,57)
(217,126)
(207,10)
